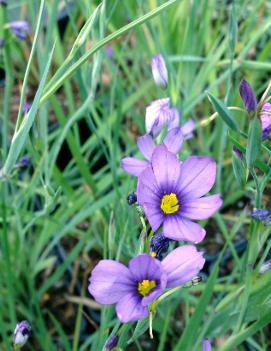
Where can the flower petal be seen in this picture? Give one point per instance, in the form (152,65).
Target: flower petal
(154,215)
(206,345)
(130,308)
(147,188)
(174,118)
(174,140)
(110,281)
(182,265)
(146,145)
(145,266)
(188,128)
(133,165)
(178,228)
(201,208)
(159,71)
(166,168)
(197,177)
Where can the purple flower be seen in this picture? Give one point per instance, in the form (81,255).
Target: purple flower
(262,216)
(111,343)
(20,28)
(265,117)
(134,287)
(248,96)
(173,141)
(159,245)
(21,333)
(159,71)
(160,114)
(171,193)
(206,345)
(24,161)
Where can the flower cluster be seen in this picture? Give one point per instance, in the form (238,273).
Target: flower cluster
(171,194)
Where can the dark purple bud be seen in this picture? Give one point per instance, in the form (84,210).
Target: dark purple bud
(248,96)
(262,216)
(20,28)
(3,2)
(24,162)
(238,153)
(21,333)
(159,246)
(26,107)
(132,198)
(111,343)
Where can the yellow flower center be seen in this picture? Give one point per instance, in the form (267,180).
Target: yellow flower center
(146,286)
(170,203)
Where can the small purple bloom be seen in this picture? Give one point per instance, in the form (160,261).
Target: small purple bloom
(262,216)
(21,333)
(159,246)
(20,28)
(111,343)
(238,153)
(206,345)
(160,114)
(248,96)
(173,141)
(159,71)
(26,107)
(134,287)
(265,117)
(171,193)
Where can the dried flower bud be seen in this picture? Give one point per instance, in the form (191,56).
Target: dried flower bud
(21,333)
(159,71)
(111,343)
(206,345)
(132,198)
(248,96)
(262,216)
(159,245)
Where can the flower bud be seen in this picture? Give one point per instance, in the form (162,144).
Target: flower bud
(159,71)
(111,343)
(159,245)
(248,96)
(20,29)
(21,334)
(238,153)
(132,198)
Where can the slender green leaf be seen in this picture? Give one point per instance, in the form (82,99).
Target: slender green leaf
(254,142)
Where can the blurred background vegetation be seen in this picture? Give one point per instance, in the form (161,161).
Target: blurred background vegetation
(65,208)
